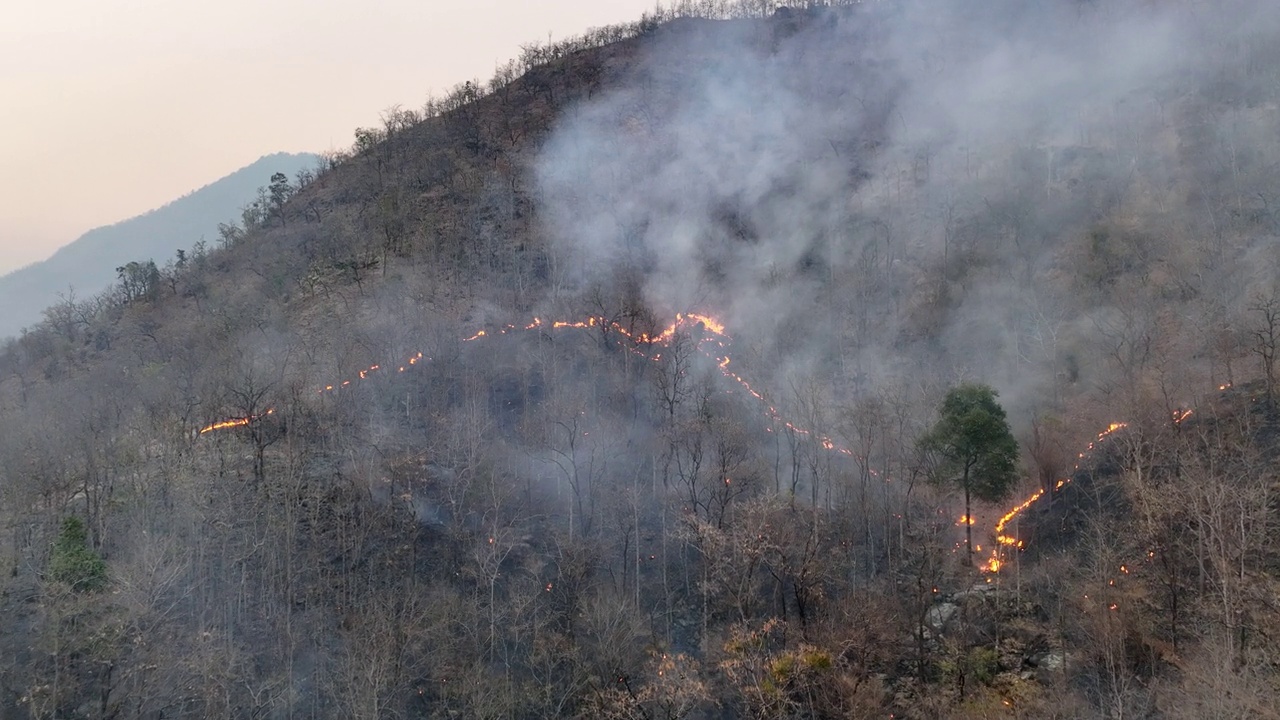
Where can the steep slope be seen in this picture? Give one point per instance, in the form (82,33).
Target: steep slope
(559,508)
(88,265)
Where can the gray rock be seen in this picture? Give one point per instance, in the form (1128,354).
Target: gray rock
(939,615)
(978,590)
(1049,665)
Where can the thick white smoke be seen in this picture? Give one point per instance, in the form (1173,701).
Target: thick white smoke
(891,179)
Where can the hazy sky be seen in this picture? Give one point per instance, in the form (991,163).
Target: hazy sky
(113,107)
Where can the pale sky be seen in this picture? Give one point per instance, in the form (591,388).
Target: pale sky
(109,108)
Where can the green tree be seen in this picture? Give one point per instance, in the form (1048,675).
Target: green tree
(281,191)
(974,447)
(73,562)
(138,280)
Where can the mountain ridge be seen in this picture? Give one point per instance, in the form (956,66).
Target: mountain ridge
(88,264)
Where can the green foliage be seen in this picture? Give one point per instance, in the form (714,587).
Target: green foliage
(280,191)
(982,664)
(978,664)
(974,444)
(73,562)
(815,659)
(783,668)
(139,280)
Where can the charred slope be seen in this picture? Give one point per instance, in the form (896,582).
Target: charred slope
(1139,534)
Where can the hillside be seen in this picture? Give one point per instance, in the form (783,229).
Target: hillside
(615,387)
(88,265)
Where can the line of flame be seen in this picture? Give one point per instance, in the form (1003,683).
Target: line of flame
(996,560)
(711,324)
(235,422)
(719,333)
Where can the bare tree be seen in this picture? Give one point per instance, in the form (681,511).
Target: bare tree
(1265,331)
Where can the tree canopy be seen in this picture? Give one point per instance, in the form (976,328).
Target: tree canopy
(974,447)
(73,562)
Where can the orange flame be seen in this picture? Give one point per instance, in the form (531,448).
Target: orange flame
(238,422)
(709,323)
(994,564)
(235,422)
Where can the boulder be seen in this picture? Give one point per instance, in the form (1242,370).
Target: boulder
(1049,665)
(937,617)
(977,591)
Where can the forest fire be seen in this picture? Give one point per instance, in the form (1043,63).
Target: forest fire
(715,332)
(996,561)
(234,422)
(225,424)
(683,320)
(712,329)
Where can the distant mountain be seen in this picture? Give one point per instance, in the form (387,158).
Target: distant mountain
(89,264)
